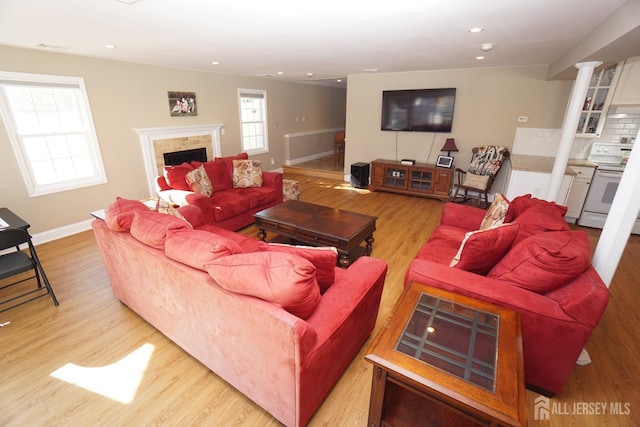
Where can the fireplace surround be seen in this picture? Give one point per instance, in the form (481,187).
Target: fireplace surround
(157,141)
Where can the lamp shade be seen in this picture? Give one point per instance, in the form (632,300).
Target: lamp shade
(449,146)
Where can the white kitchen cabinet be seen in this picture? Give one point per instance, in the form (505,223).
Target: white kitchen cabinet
(628,89)
(523,182)
(596,103)
(578,191)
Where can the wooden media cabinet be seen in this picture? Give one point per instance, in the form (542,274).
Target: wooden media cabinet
(419,179)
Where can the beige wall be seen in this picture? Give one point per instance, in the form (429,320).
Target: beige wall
(488,102)
(124,96)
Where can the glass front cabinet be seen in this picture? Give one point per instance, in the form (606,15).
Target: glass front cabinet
(596,103)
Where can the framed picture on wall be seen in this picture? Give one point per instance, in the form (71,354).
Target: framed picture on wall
(182,104)
(444,161)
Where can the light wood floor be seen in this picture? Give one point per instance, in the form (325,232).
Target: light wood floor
(93,362)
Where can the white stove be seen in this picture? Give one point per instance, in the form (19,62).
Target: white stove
(610,156)
(611,160)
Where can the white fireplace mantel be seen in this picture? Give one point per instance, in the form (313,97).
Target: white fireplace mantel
(149,135)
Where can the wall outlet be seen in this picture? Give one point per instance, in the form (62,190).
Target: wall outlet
(523,119)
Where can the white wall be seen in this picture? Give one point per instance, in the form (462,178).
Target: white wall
(488,102)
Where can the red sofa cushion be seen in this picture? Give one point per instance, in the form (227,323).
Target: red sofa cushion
(539,219)
(281,278)
(151,227)
(119,214)
(176,176)
(546,261)
(218,175)
(220,171)
(522,203)
(227,204)
(324,259)
(196,248)
(482,249)
(443,245)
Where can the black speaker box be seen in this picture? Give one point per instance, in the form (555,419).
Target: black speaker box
(360,175)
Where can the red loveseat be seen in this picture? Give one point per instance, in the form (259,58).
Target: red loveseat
(279,323)
(227,206)
(532,264)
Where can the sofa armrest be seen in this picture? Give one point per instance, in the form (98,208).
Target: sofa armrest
(462,216)
(483,288)
(351,287)
(273,180)
(183,198)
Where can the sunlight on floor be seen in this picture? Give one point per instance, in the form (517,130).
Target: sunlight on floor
(119,381)
(348,187)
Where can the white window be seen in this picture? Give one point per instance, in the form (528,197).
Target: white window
(50,127)
(253,120)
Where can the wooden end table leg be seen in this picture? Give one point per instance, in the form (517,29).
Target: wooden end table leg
(344,260)
(369,241)
(262,235)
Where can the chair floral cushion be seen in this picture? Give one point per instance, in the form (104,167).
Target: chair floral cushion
(487,160)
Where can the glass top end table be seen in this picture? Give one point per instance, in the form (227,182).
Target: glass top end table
(453,337)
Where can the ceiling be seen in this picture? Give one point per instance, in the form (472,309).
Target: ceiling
(317,42)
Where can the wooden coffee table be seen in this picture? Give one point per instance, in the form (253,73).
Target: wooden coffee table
(317,225)
(443,359)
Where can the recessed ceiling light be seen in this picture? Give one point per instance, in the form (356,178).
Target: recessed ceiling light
(371,70)
(110,46)
(480,58)
(339,80)
(280,73)
(51,46)
(476,30)
(309,74)
(486,47)
(215,62)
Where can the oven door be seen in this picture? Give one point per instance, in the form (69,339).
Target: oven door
(602,191)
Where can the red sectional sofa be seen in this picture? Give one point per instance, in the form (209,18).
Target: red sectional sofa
(227,206)
(532,264)
(278,323)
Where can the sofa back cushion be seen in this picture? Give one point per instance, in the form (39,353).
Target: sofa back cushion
(196,248)
(539,219)
(281,278)
(151,227)
(119,214)
(324,259)
(521,203)
(545,261)
(480,250)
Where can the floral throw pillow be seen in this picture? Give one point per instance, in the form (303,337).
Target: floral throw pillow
(199,181)
(496,213)
(247,173)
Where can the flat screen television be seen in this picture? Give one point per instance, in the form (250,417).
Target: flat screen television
(418,110)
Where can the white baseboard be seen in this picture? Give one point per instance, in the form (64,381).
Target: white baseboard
(55,234)
(60,232)
(308,158)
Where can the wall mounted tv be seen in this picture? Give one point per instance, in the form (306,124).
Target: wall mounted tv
(418,110)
